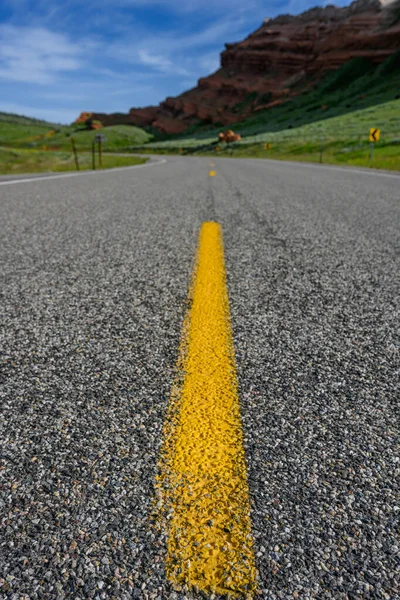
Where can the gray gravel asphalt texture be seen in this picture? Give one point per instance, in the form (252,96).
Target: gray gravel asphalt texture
(95,272)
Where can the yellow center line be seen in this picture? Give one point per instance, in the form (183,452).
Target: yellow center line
(212,173)
(202,486)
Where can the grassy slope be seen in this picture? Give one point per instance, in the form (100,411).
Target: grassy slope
(19,134)
(117,136)
(357,85)
(336,115)
(30,146)
(32,135)
(15,161)
(344,140)
(21,120)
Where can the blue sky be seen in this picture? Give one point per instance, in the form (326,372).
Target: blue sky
(58,58)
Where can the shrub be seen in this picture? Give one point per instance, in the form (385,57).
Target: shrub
(390,65)
(353,69)
(264,98)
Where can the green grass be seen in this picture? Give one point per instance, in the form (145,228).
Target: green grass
(347,128)
(386,155)
(117,137)
(344,139)
(21,120)
(356,86)
(336,112)
(23,135)
(31,146)
(16,133)
(16,161)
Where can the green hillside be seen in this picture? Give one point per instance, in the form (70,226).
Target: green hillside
(352,126)
(329,120)
(21,120)
(117,136)
(332,115)
(30,145)
(342,139)
(22,132)
(357,85)
(14,161)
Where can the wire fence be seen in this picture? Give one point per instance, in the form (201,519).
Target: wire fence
(355,149)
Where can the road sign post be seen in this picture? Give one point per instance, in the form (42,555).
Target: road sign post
(99,138)
(99,142)
(75,154)
(94,155)
(374,136)
(371,154)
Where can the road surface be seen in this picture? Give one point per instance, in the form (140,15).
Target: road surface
(95,272)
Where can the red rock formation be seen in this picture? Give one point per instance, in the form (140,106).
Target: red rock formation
(281,52)
(83,117)
(91,120)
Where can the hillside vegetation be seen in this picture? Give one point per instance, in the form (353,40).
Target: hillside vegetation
(30,145)
(329,120)
(21,120)
(356,85)
(46,136)
(16,161)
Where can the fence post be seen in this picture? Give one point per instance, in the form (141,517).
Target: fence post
(371,154)
(93,155)
(99,141)
(75,154)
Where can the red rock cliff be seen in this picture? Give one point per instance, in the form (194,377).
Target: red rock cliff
(281,51)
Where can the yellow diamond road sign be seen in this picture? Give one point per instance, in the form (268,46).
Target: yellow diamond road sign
(374,134)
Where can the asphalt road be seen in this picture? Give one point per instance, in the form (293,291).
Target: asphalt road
(95,272)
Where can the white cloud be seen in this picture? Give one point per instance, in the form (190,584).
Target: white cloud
(192,6)
(178,54)
(35,55)
(105,56)
(160,63)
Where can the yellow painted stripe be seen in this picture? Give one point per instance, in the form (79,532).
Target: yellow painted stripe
(212,173)
(202,484)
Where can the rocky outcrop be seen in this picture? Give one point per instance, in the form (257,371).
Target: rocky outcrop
(260,71)
(319,40)
(229,136)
